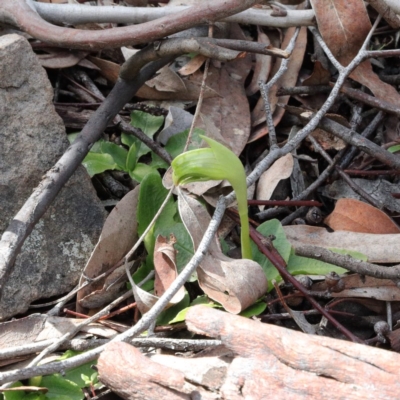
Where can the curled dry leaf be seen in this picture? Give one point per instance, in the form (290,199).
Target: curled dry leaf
(165,273)
(118,236)
(236,284)
(357,216)
(280,169)
(344,25)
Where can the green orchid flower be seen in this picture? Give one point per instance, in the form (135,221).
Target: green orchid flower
(215,163)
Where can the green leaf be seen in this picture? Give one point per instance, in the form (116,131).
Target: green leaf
(131,158)
(169,314)
(176,143)
(394,149)
(148,123)
(308,266)
(214,163)
(254,309)
(128,140)
(61,388)
(141,171)
(19,395)
(142,272)
(282,245)
(203,300)
(96,163)
(151,196)
(118,153)
(296,265)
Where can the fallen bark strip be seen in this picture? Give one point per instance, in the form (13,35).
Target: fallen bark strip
(20,14)
(271,362)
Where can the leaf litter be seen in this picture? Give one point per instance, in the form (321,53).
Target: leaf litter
(233,113)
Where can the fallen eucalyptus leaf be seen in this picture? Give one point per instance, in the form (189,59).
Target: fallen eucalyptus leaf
(118,236)
(358,216)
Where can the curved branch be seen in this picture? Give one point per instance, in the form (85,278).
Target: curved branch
(20,14)
(75,14)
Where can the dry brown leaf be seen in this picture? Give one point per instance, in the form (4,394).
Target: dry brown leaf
(326,139)
(319,76)
(288,79)
(57,58)
(230,112)
(165,273)
(193,65)
(365,287)
(39,327)
(108,69)
(357,216)
(165,265)
(167,80)
(378,248)
(236,284)
(344,25)
(118,236)
(280,169)
(262,67)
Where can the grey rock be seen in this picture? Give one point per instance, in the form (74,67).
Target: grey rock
(32,139)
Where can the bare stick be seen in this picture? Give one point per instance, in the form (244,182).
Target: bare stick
(20,14)
(74,14)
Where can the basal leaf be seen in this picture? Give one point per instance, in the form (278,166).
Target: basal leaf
(272,227)
(128,140)
(170,313)
(148,123)
(59,387)
(131,158)
(151,196)
(118,153)
(308,266)
(141,171)
(254,309)
(96,163)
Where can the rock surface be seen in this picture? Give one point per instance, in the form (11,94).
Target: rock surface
(32,139)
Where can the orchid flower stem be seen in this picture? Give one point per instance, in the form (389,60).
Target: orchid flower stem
(215,163)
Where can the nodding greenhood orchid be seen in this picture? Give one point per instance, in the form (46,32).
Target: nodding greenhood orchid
(215,163)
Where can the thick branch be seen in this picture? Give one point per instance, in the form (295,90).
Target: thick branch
(21,15)
(74,14)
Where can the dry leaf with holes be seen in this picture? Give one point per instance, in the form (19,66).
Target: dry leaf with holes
(280,169)
(236,284)
(357,216)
